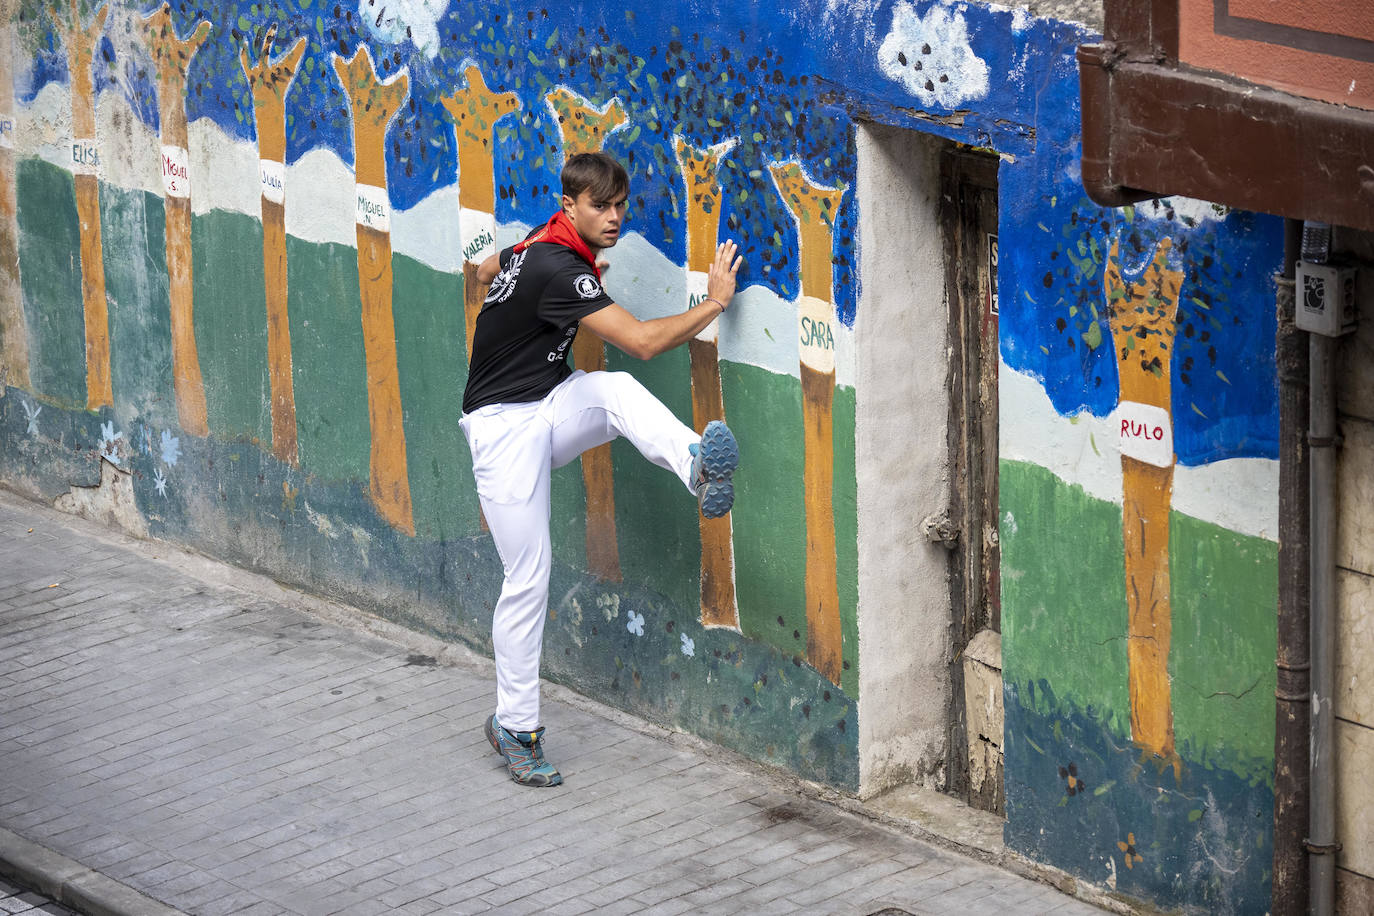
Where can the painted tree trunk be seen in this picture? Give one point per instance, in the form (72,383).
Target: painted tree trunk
(270,82)
(14,334)
(719,607)
(80,48)
(279,364)
(374,103)
(584,129)
(390,481)
(1142,318)
(172,57)
(814,209)
(475,111)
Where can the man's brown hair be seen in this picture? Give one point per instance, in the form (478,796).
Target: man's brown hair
(598,173)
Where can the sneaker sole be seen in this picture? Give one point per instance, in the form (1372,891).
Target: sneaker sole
(489,728)
(719,459)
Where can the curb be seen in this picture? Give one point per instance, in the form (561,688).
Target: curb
(72,884)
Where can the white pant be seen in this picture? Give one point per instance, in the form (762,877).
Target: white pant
(514,449)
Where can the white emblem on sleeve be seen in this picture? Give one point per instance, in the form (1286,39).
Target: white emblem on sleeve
(587,287)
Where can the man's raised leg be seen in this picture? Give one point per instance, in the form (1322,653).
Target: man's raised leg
(591,409)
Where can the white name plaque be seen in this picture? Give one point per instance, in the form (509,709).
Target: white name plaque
(176,171)
(1146,433)
(273,177)
(374,208)
(815,334)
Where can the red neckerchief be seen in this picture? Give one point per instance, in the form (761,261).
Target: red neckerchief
(559,231)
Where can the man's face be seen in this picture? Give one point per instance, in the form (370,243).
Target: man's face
(597,221)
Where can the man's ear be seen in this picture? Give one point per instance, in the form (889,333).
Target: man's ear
(568,204)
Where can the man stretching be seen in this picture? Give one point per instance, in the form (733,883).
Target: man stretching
(526,412)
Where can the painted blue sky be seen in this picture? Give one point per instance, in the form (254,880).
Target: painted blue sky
(790,81)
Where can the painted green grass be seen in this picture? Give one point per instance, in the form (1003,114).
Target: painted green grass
(231,325)
(328,360)
(133,230)
(1064,619)
(656,518)
(427,308)
(50,277)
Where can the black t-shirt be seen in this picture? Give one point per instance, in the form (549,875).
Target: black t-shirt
(527,324)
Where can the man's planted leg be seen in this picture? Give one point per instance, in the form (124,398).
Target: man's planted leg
(521,533)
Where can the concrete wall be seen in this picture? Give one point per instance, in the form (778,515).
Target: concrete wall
(1355,595)
(903,461)
(1085,12)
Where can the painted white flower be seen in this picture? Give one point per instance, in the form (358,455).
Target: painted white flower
(32,411)
(108,439)
(171,448)
(931,56)
(636,624)
(689,648)
(394,21)
(609,605)
(160,483)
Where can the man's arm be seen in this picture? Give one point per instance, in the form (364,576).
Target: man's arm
(488,269)
(647,339)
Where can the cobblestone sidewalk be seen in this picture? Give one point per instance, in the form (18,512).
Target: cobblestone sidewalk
(226,749)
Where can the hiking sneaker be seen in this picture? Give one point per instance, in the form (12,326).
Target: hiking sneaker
(714,460)
(524,755)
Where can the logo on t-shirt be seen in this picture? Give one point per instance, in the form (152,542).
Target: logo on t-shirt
(587,287)
(557,354)
(504,284)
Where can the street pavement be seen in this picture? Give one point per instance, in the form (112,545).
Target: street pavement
(16,899)
(176,734)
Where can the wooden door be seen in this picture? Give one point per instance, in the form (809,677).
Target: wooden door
(969,218)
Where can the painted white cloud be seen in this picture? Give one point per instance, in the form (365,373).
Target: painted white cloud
(1185,209)
(931,56)
(395,21)
(1236,493)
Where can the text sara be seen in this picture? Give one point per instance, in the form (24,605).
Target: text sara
(816,334)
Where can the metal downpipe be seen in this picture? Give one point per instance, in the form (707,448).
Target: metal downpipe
(1293,693)
(1322,443)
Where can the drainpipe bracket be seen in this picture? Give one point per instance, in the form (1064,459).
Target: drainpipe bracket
(1325,441)
(1321,849)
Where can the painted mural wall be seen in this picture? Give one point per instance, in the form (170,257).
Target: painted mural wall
(1139,543)
(242,240)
